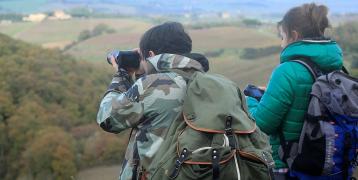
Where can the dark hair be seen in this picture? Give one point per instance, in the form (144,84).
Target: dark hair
(309,20)
(200,58)
(169,37)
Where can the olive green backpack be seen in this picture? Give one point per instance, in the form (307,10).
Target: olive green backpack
(214,138)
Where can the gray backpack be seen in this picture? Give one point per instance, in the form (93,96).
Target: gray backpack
(328,142)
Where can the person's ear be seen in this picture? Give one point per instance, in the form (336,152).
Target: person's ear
(294,36)
(151,53)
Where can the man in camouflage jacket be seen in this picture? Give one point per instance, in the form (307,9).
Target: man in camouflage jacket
(148,106)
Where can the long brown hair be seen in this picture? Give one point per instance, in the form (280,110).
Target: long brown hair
(309,20)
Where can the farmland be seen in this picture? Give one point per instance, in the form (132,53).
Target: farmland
(60,33)
(230,39)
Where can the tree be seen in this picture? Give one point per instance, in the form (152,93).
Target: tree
(354,62)
(51,154)
(103,147)
(6,110)
(347,36)
(85,34)
(102,29)
(251,22)
(255,53)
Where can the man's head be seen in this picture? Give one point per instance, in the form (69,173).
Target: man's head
(169,37)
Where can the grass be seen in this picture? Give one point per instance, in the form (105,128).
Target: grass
(52,33)
(245,72)
(102,172)
(95,49)
(58,34)
(230,37)
(16,28)
(203,40)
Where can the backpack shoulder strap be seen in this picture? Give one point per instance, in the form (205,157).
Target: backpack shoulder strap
(344,69)
(311,66)
(315,72)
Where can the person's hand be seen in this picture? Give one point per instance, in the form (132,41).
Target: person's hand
(253,91)
(114,63)
(111,58)
(263,88)
(138,51)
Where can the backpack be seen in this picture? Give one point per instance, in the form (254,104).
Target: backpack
(328,141)
(214,137)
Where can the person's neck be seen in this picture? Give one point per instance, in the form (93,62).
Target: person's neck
(150,68)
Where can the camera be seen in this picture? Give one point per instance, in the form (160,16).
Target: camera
(125,59)
(253,91)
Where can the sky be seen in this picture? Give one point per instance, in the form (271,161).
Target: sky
(175,6)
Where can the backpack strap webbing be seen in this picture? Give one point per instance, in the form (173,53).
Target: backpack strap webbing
(344,69)
(178,163)
(136,160)
(229,132)
(315,72)
(216,164)
(311,67)
(347,145)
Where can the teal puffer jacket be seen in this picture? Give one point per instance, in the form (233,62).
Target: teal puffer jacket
(283,106)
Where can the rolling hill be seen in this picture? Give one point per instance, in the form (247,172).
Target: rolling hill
(48,105)
(128,32)
(62,33)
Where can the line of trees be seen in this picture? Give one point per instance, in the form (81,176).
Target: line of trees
(98,30)
(255,53)
(11,17)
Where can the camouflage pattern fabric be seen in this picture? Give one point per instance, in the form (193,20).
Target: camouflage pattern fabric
(149,106)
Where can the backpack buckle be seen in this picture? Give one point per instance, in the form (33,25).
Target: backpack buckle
(228,124)
(230,133)
(178,163)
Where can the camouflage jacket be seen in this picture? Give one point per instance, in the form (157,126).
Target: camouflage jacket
(149,106)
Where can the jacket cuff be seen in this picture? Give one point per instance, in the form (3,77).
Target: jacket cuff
(121,82)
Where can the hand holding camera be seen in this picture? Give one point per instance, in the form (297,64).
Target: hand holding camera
(127,60)
(253,91)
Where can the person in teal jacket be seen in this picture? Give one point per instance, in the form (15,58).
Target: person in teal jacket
(283,105)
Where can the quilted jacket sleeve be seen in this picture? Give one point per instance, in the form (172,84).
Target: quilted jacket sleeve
(276,102)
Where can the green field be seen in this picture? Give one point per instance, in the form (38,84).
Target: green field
(58,34)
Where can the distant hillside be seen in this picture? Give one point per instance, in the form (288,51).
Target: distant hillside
(48,105)
(164,7)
